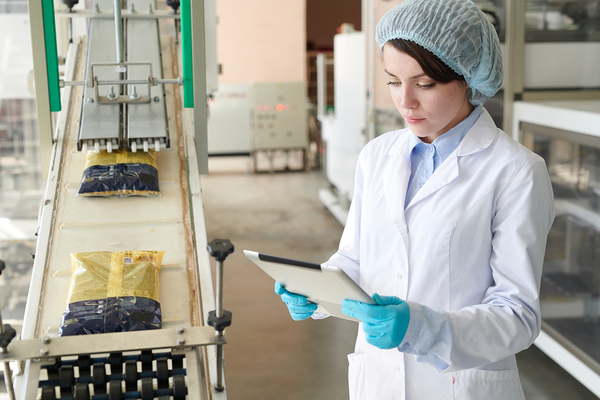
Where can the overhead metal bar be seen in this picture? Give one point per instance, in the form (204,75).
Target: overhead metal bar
(125,14)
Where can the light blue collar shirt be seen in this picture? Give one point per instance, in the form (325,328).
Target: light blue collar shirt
(425,158)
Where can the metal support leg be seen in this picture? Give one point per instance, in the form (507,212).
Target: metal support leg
(219,297)
(219,319)
(219,385)
(219,312)
(8,376)
(6,335)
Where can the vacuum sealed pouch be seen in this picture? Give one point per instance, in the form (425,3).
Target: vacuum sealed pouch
(120,173)
(113,292)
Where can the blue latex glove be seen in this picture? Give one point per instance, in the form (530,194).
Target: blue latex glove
(384,323)
(298,306)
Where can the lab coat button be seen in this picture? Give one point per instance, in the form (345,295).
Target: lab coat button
(399,276)
(398,369)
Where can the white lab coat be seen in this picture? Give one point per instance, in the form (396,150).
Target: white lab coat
(466,254)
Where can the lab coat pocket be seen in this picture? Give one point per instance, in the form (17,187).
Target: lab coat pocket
(477,384)
(356,376)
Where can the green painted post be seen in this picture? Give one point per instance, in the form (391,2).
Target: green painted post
(187,55)
(51,55)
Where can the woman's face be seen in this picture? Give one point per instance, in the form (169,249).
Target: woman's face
(430,108)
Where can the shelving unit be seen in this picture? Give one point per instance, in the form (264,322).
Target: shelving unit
(311,79)
(567,134)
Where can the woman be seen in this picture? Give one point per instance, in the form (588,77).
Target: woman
(448,222)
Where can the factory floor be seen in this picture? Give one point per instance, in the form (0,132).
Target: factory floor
(268,355)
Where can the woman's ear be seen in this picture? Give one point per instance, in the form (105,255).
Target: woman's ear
(467,88)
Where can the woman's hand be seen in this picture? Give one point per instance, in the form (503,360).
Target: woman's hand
(298,306)
(384,323)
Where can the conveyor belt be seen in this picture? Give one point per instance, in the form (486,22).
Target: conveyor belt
(173,222)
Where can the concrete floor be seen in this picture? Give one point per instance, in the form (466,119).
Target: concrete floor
(268,355)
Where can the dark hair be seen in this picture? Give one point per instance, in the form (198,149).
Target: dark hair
(429,62)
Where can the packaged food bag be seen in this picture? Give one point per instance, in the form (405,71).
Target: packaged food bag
(120,173)
(113,292)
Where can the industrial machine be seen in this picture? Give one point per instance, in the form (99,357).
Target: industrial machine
(345,131)
(262,119)
(279,122)
(131,84)
(267,120)
(279,115)
(229,125)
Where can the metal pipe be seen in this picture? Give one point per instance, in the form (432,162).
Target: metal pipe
(219,384)
(7,371)
(156,14)
(219,314)
(176,32)
(170,81)
(124,82)
(8,378)
(118,30)
(321,85)
(72,83)
(70,29)
(219,299)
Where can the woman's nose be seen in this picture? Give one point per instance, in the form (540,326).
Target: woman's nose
(409,99)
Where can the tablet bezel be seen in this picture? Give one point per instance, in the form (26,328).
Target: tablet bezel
(323,284)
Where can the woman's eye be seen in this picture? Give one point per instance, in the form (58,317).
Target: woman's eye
(391,83)
(425,87)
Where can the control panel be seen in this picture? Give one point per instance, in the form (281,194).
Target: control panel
(280,116)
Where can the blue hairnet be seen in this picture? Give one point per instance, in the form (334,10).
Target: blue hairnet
(457,32)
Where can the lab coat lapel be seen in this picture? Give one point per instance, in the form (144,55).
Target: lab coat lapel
(446,173)
(395,181)
(479,137)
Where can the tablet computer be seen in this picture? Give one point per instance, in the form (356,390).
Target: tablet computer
(325,285)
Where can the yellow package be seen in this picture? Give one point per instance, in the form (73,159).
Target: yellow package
(113,292)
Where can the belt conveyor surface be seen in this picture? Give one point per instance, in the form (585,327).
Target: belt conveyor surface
(173,222)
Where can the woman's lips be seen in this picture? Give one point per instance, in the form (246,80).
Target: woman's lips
(414,121)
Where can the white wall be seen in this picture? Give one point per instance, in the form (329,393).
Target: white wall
(382,93)
(261,40)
